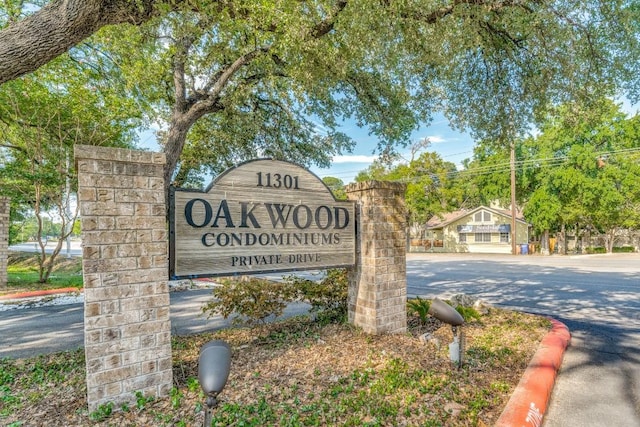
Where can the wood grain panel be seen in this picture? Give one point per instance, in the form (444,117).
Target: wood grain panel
(261,216)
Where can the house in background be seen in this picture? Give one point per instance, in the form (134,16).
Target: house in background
(482,230)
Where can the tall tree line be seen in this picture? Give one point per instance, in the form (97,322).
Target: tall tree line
(579,173)
(229,80)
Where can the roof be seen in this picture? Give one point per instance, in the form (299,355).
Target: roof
(442,220)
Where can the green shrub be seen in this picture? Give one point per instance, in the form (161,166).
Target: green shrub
(103,412)
(419,307)
(468,313)
(254,300)
(623,249)
(596,250)
(327,297)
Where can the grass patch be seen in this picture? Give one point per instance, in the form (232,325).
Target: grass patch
(301,373)
(22,273)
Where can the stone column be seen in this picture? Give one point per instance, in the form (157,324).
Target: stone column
(378,282)
(125,265)
(4,240)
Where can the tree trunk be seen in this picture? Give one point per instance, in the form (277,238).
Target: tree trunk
(41,243)
(58,26)
(580,235)
(176,138)
(610,239)
(544,244)
(46,263)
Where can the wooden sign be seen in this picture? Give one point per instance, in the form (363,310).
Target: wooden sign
(261,216)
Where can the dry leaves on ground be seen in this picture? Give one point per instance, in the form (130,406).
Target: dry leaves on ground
(297,372)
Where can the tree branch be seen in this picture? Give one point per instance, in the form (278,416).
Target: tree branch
(179,85)
(324,27)
(436,15)
(229,72)
(18,148)
(30,43)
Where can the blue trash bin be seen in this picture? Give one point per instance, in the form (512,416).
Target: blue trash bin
(524,249)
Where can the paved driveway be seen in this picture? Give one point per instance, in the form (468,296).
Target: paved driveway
(45,329)
(597,297)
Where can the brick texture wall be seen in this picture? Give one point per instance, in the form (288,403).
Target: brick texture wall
(378,283)
(125,266)
(4,239)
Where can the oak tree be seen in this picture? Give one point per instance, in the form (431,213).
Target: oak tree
(41,118)
(585,170)
(254,76)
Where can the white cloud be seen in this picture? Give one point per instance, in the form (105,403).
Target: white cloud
(354,159)
(436,139)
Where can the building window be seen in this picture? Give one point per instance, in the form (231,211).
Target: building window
(462,238)
(482,216)
(483,237)
(504,237)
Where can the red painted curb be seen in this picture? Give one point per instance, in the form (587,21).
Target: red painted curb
(41,293)
(529,401)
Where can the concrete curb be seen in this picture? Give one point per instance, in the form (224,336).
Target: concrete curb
(45,292)
(62,291)
(529,401)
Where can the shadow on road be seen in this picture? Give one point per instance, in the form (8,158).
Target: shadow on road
(599,382)
(25,340)
(603,297)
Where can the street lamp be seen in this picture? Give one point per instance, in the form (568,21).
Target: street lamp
(214,365)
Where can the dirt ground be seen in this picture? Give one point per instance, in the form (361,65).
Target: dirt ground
(301,373)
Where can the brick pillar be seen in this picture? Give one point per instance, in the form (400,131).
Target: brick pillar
(378,282)
(124,235)
(4,240)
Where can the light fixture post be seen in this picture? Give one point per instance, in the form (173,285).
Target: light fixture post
(214,365)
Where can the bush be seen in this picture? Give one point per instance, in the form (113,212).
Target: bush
(468,313)
(254,300)
(596,250)
(623,249)
(327,297)
(419,307)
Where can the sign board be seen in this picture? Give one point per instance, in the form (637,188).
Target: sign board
(261,216)
(495,228)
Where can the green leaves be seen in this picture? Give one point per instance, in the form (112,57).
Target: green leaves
(590,170)
(432,184)
(254,300)
(42,117)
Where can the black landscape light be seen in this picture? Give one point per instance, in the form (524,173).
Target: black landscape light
(214,365)
(447,314)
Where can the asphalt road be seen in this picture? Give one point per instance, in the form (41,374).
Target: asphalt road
(597,297)
(74,249)
(41,330)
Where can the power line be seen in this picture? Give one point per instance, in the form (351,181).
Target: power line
(505,166)
(520,165)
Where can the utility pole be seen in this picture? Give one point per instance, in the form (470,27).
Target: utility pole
(513,195)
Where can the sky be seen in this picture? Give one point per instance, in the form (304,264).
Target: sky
(451,145)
